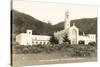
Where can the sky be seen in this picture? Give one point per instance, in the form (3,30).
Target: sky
(54,12)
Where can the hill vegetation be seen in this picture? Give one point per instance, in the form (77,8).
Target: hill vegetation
(21,22)
(87,25)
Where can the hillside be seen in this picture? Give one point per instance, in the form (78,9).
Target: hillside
(87,25)
(21,22)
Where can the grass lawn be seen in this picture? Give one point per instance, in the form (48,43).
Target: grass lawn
(45,58)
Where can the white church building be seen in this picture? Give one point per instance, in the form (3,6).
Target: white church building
(72,32)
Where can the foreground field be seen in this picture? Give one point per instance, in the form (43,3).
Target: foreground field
(44,58)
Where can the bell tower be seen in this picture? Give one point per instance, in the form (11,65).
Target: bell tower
(67,21)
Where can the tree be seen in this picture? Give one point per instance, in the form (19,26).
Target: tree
(65,39)
(53,40)
(49,23)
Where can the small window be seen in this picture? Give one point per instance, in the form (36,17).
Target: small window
(44,43)
(36,42)
(40,42)
(29,32)
(33,42)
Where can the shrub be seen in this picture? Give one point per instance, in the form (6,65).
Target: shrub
(81,42)
(27,49)
(53,40)
(36,50)
(92,43)
(80,51)
(65,38)
(71,50)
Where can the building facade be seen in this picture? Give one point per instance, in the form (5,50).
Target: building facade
(29,39)
(73,33)
(88,38)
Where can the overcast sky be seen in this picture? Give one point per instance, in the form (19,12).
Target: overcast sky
(54,12)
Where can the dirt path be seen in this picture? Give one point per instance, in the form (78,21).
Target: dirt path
(34,59)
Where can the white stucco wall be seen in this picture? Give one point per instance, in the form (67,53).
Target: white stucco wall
(88,38)
(28,39)
(18,38)
(24,39)
(71,34)
(40,39)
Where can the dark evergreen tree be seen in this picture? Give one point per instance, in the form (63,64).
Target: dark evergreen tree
(66,39)
(53,40)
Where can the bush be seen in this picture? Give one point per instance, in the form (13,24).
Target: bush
(81,42)
(53,40)
(80,51)
(92,43)
(36,50)
(27,49)
(18,49)
(71,50)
